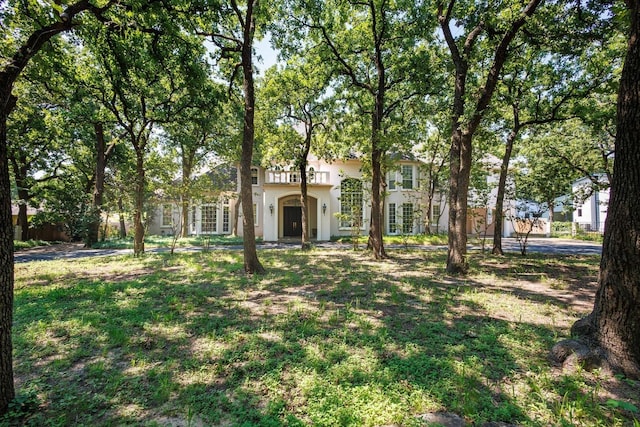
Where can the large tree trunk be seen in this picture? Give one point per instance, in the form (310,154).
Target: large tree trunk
(98,186)
(123,225)
(251,262)
(236,214)
(305,244)
(502,184)
(460,163)
(304,200)
(23,216)
(20,165)
(613,327)
(7,388)
(376,230)
(187,170)
(138,209)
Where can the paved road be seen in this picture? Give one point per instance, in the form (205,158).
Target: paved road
(76,251)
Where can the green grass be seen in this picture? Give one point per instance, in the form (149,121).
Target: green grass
(324,338)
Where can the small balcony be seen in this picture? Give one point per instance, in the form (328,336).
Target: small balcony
(293,177)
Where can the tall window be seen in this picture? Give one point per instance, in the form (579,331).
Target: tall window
(435,212)
(167,215)
(407,177)
(225,217)
(392,218)
(254,176)
(407,218)
(351,203)
(255,214)
(209,218)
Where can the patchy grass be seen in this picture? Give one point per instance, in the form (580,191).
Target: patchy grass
(326,337)
(409,239)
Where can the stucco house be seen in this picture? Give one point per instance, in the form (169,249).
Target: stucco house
(338,195)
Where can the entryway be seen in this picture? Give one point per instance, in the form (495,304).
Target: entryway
(292,221)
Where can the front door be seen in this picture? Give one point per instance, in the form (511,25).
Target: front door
(292,221)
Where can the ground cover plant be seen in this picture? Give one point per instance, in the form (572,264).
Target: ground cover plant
(326,337)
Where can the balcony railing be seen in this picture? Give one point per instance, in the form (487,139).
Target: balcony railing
(293,177)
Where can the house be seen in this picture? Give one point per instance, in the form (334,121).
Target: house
(338,201)
(591,202)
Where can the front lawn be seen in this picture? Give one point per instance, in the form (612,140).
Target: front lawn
(326,337)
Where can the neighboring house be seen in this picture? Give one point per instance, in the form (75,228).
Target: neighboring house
(17,230)
(49,232)
(338,198)
(590,208)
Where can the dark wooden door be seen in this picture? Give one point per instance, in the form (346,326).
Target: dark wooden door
(292,221)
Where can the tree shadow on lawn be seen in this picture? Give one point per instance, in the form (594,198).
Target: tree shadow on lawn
(324,338)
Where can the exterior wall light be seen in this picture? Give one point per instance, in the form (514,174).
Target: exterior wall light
(271,209)
(324,208)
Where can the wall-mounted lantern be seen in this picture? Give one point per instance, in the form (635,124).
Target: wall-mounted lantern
(324,208)
(271,209)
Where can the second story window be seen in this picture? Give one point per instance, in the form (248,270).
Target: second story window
(167,215)
(391,180)
(407,177)
(254,176)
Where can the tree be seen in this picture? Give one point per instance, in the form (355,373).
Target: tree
(296,96)
(612,330)
(373,47)
(480,27)
(552,83)
(194,139)
(34,138)
(235,30)
(150,74)
(22,50)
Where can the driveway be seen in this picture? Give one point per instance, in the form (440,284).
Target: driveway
(76,250)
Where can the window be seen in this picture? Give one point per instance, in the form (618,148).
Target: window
(435,212)
(225,218)
(579,211)
(391,180)
(254,176)
(255,214)
(407,218)
(351,203)
(392,218)
(407,177)
(167,215)
(209,218)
